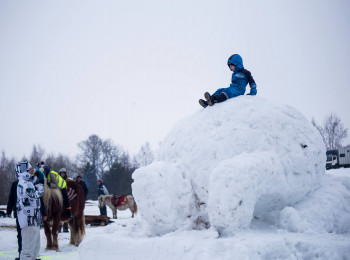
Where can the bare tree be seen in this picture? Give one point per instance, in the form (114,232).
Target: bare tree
(332,131)
(110,154)
(125,161)
(91,152)
(145,156)
(63,161)
(100,154)
(37,154)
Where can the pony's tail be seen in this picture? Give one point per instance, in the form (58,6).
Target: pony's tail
(77,226)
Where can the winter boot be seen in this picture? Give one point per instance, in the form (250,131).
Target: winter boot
(209,99)
(215,98)
(219,98)
(65,227)
(60,228)
(203,103)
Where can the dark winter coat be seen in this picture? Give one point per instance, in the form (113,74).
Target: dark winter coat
(240,78)
(85,188)
(11,203)
(102,190)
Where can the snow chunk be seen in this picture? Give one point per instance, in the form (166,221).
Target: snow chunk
(163,196)
(229,163)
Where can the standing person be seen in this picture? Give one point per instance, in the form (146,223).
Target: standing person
(63,174)
(240,78)
(28,208)
(11,206)
(83,185)
(102,190)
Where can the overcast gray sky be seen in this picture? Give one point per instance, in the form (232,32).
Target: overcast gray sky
(129,70)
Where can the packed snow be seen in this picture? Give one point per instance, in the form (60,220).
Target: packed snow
(244,179)
(226,165)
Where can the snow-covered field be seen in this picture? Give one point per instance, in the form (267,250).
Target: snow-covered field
(128,239)
(244,179)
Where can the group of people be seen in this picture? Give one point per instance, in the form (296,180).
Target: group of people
(26,201)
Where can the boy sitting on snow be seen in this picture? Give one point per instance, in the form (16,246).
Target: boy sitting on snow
(240,78)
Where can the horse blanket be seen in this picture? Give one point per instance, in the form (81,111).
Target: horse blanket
(119,200)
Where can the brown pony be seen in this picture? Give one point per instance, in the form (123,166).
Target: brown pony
(53,201)
(107,200)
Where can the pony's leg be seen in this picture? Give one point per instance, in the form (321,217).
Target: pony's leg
(55,227)
(73,231)
(115,213)
(80,222)
(132,211)
(47,229)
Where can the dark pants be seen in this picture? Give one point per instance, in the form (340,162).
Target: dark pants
(103,211)
(63,225)
(19,236)
(66,201)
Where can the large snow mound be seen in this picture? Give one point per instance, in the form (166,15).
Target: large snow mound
(226,166)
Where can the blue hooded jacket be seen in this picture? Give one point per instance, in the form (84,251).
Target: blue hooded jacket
(240,78)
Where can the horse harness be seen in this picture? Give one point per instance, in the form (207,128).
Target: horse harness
(118,201)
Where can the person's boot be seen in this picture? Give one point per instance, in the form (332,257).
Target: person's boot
(203,103)
(215,98)
(60,228)
(210,101)
(219,98)
(65,227)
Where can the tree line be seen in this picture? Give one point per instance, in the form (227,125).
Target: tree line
(98,159)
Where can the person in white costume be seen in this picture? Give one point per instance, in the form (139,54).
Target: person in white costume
(29,208)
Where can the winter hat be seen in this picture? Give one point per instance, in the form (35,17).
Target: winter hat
(47,169)
(21,169)
(23,166)
(63,170)
(236,60)
(39,165)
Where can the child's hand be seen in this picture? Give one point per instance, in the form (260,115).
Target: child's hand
(253,92)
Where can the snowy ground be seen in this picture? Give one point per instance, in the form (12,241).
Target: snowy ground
(129,239)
